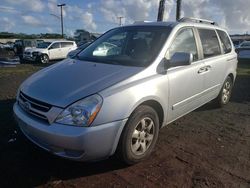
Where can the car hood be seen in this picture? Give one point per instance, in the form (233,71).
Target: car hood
(70,80)
(73,53)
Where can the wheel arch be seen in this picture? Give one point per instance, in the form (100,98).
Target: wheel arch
(157,107)
(231,76)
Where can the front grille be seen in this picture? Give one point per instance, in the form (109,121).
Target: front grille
(36,104)
(33,106)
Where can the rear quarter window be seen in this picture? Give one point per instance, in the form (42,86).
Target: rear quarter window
(225,42)
(210,43)
(66,44)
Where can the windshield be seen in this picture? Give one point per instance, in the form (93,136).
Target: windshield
(129,46)
(43,45)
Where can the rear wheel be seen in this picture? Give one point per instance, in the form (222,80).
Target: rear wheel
(44,58)
(225,93)
(139,135)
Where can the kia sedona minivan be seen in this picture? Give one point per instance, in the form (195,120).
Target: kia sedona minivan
(115,95)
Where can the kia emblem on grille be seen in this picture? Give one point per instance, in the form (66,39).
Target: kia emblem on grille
(27,106)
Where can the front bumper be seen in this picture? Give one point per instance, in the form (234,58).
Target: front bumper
(29,58)
(77,143)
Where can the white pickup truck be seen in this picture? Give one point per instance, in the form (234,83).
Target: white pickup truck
(46,51)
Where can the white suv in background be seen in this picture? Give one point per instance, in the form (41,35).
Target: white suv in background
(49,51)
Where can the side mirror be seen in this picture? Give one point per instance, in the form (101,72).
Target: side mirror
(50,48)
(180,59)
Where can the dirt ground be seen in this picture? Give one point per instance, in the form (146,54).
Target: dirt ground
(207,148)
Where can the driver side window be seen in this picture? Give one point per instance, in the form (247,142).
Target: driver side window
(184,42)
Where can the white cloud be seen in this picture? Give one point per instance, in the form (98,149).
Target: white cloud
(6,24)
(30,20)
(230,14)
(31,5)
(52,5)
(8,9)
(49,29)
(132,10)
(86,18)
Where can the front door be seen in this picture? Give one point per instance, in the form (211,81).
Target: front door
(186,83)
(55,51)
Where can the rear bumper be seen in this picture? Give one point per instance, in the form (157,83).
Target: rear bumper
(77,143)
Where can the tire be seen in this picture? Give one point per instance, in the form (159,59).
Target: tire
(225,93)
(44,58)
(139,136)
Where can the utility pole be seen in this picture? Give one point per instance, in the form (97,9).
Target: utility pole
(120,20)
(161,10)
(61,6)
(178,9)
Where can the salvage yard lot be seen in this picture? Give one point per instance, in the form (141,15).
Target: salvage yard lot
(207,148)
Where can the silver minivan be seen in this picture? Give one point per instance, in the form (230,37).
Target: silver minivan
(115,95)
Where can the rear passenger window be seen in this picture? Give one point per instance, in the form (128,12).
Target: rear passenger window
(184,42)
(225,41)
(66,44)
(55,45)
(210,43)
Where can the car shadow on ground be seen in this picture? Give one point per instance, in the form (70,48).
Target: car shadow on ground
(30,165)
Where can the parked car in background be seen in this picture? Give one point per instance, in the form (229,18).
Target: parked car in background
(114,98)
(236,43)
(243,51)
(8,45)
(72,53)
(23,44)
(244,44)
(46,51)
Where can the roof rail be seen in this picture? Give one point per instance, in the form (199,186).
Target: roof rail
(141,22)
(197,20)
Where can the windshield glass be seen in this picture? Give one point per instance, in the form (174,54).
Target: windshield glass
(43,45)
(129,46)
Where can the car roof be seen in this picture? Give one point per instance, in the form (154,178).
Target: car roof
(186,22)
(61,41)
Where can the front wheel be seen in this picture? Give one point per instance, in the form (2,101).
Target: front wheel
(139,135)
(225,93)
(44,58)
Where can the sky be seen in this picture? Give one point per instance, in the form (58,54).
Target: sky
(42,16)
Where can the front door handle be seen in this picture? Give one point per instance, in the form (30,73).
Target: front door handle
(204,69)
(201,70)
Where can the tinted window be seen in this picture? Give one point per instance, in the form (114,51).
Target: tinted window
(43,45)
(210,43)
(225,41)
(129,46)
(66,44)
(184,42)
(55,45)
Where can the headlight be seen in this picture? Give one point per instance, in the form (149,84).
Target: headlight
(81,113)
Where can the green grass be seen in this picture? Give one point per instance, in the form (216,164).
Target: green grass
(243,69)
(19,69)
